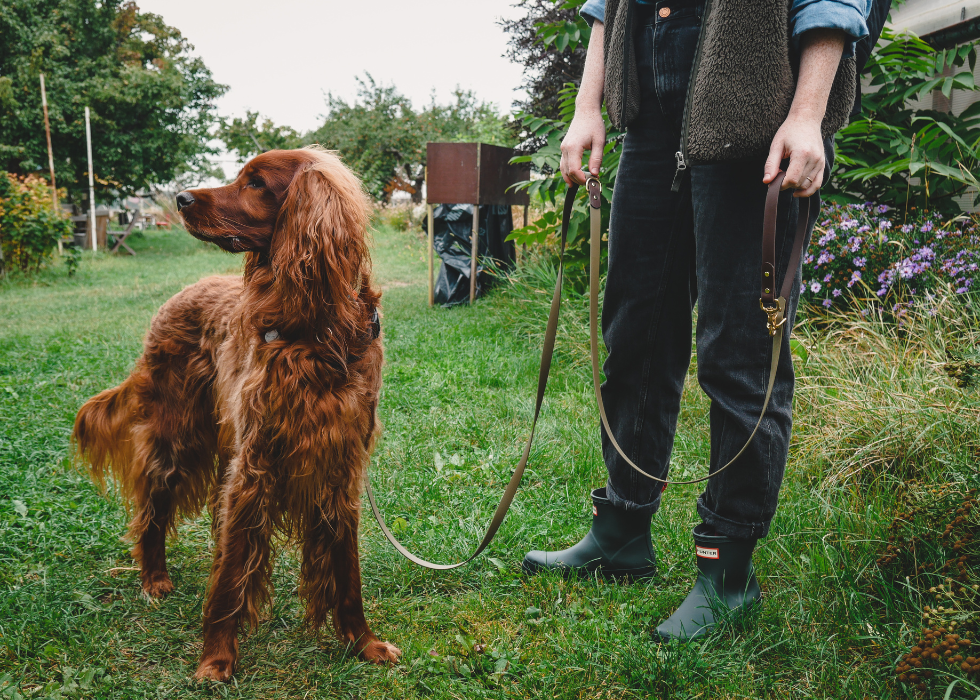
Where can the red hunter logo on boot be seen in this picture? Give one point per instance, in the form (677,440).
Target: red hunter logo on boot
(595,511)
(707,553)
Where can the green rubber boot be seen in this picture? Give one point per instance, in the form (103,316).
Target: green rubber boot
(726,586)
(617,547)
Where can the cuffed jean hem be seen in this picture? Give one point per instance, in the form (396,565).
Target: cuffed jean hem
(730,528)
(618,501)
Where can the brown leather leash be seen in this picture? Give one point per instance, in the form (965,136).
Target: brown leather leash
(773,306)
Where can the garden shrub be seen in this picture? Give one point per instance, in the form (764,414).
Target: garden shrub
(29,229)
(905,156)
(859,251)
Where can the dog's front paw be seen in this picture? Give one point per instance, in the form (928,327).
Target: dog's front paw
(378,652)
(158,586)
(215,669)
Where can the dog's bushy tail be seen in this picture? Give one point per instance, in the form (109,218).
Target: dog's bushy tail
(103,435)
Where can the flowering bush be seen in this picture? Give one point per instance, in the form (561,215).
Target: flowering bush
(858,250)
(29,229)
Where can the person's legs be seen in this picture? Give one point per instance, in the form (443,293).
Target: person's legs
(734,348)
(646,319)
(734,361)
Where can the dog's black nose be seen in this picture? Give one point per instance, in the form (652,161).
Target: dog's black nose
(184,199)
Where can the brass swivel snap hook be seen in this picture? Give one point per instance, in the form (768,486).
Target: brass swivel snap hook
(774,315)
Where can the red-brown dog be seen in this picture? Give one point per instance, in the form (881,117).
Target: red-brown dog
(258,397)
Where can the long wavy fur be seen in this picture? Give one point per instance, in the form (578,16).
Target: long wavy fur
(275,435)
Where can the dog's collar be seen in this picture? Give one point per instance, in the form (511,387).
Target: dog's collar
(273,335)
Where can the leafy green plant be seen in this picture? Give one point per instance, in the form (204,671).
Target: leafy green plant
(901,156)
(566,34)
(29,229)
(551,188)
(73,256)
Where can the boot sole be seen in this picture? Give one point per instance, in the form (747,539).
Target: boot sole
(615,575)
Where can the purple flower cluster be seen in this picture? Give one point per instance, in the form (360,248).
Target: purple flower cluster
(851,251)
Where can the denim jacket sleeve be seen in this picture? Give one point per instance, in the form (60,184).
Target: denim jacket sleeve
(593,10)
(848,15)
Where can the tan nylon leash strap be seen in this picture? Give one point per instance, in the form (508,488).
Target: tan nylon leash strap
(547,353)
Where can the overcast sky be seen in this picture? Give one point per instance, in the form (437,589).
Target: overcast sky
(280,57)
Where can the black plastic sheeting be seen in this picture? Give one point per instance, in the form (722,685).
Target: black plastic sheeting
(452,241)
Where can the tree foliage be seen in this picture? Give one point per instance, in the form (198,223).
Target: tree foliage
(247,137)
(383,137)
(151,100)
(550,40)
(901,156)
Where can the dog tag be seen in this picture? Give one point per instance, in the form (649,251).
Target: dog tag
(271,335)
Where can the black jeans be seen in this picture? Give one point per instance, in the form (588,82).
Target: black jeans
(659,267)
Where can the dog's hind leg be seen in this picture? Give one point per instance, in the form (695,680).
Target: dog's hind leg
(331,582)
(175,481)
(176,445)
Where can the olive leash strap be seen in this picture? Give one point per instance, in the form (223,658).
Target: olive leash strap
(547,353)
(773,306)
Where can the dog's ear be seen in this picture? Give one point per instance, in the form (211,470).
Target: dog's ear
(319,246)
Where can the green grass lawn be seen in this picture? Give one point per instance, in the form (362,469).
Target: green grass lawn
(456,409)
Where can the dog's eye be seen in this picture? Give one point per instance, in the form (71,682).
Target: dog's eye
(255,182)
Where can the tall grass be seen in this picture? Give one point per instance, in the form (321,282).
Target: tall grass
(873,396)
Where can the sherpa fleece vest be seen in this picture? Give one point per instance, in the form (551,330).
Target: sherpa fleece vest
(742,82)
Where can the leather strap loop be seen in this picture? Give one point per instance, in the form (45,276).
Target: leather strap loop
(776,321)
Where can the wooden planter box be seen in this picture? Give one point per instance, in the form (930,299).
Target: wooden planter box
(471,173)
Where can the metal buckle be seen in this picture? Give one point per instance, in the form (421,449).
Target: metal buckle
(591,179)
(773,313)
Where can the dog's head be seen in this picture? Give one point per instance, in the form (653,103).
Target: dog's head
(301,216)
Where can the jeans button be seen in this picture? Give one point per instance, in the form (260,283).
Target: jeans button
(664,12)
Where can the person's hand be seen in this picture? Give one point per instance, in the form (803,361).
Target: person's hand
(587,132)
(800,140)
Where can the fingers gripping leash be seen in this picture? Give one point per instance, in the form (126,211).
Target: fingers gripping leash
(773,306)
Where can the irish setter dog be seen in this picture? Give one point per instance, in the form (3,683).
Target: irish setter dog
(256,395)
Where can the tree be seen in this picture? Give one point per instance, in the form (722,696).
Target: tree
(383,137)
(246,138)
(151,100)
(550,41)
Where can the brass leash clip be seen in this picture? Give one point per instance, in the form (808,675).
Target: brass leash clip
(773,313)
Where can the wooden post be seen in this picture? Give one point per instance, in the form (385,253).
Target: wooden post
(474,251)
(91,180)
(430,251)
(475,243)
(431,255)
(47,132)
